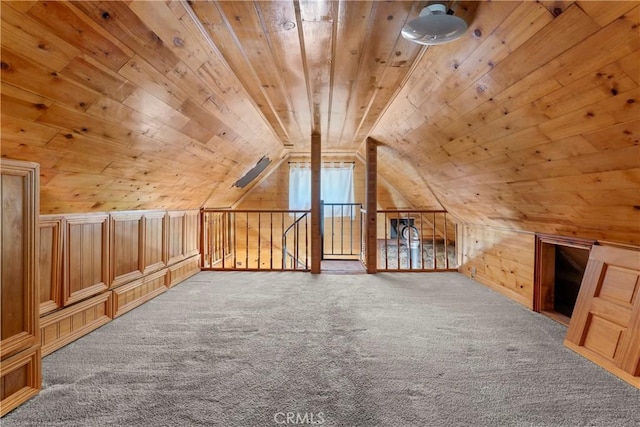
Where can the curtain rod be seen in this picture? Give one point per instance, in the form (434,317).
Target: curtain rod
(308,161)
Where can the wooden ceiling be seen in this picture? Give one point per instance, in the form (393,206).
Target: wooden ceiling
(529,121)
(132,105)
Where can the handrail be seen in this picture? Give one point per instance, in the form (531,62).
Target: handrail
(255,210)
(294,222)
(285,252)
(410,211)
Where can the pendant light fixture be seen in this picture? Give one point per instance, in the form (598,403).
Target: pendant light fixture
(434,26)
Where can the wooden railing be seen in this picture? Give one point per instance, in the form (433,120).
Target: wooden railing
(415,240)
(291,244)
(255,240)
(341,231)
(407,240)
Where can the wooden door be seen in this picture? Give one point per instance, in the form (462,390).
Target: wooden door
(605,326)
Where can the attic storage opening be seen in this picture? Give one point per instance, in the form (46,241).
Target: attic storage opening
(560,265)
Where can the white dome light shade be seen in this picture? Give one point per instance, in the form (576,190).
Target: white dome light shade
(434,26)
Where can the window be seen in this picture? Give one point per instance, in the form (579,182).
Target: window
(336,186)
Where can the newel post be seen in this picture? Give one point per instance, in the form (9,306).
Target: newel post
(371,205)
(316,227)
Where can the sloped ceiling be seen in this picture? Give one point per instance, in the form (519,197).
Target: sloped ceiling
(151,104)
(529,121)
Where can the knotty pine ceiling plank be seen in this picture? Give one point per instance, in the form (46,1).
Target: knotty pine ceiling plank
(282,34)
(351,35)
(19,107)
(613,110)
(86,71)
(189,76)
(561,34)
(318,20)
(119,20)
(528,90)
(230,105)
(143,75)
(614,137)
(173,32)
(76,28)
(389,76)
(39,44)
(182,76)
(384,30)
(615,41)
(245,22)
(606,12)
(595,87)
(511,33)
(112,111)
(47,158)
(149,105)
(549,151)
(26,132)
(631,66)
(622,159)
(74,121)
(215,23)
(26,74)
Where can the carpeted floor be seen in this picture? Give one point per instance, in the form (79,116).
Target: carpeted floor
(269,349)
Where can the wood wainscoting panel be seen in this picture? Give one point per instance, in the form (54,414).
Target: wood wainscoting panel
(175,236)
(183,270)
(131,295)
(64,326)
(50,261)
(86,265)
(154,241)
(20,379)
(19,190)
(191,233)
(605,326)
(126,253)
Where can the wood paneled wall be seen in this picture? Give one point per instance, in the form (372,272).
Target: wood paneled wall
(20,358)
(127,247)
(97,266)
(176,229)
(86,256)
(500,259)
(50,261)
(155,254)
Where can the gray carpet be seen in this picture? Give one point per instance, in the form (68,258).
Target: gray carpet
(395,349)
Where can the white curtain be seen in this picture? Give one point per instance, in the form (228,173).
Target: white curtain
(337,187)
(299,186)
(336,183)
